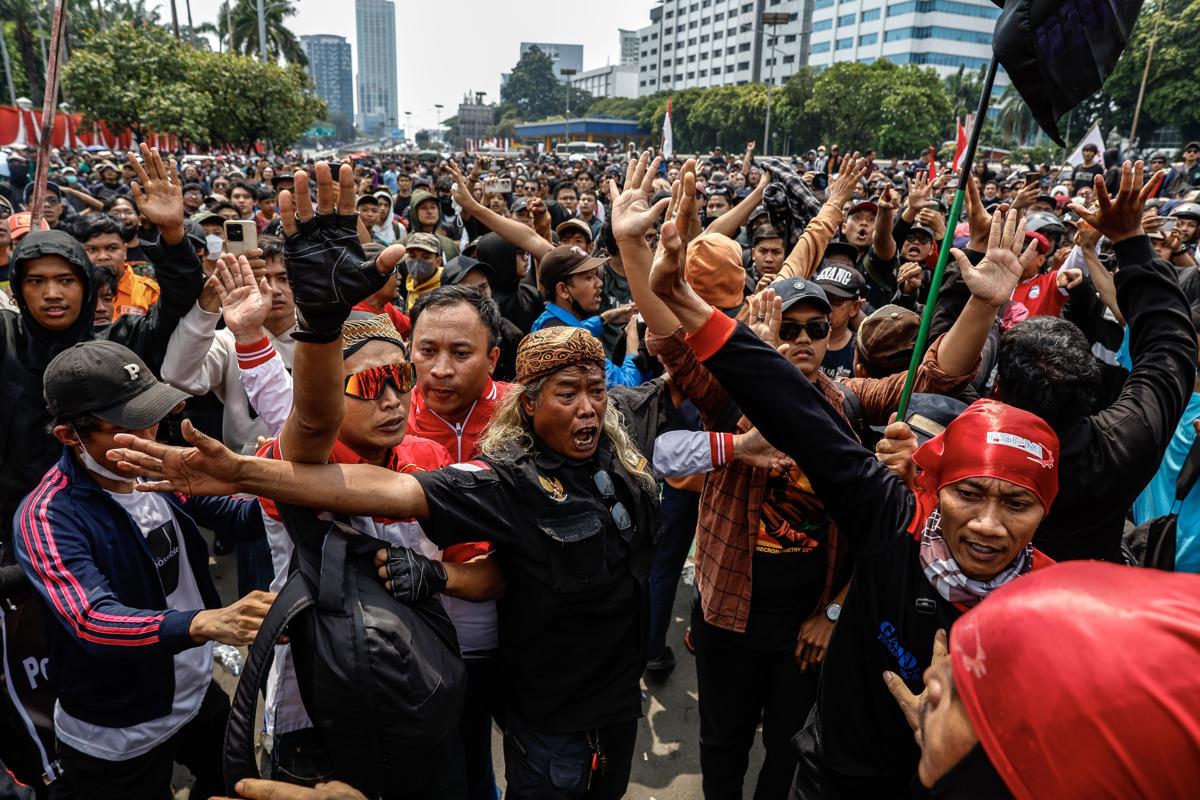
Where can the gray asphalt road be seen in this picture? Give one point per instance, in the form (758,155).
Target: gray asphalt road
(666,764)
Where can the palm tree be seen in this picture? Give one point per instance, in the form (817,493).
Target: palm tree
(25,36)
(1015,120)
(281,42)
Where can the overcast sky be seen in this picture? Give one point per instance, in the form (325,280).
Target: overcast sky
(465,45)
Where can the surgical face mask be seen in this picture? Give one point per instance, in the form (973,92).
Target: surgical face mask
(420,271)
(95,466)
(213,244)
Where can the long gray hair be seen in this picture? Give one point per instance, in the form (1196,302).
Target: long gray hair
(511,427)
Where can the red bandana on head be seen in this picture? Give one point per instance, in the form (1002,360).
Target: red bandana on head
(988,440)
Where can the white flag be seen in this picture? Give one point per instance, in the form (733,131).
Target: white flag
(1092,137)
(668,146)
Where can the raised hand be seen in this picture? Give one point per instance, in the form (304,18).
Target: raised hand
(632,215)
(918,191)
(683,208)
(244,301)
(1027,194)
(993,279)
(157,191)
(1120,217)
(208,468)
(979,220)
(888,200)
(461,191)
(848,181)
(895,451)
(766,313)
(327,269)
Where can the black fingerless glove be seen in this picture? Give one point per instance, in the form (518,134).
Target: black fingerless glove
(329,274)
(414,577)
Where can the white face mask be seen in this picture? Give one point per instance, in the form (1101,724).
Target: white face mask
(213,244)
(95,466)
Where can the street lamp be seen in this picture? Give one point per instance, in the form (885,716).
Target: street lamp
(437,128)
(567,72)
(771,19)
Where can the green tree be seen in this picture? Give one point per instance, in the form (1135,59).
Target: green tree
(964,89)
(845,103)
(26,19)
(138,78)
(281,42)
(1015,122)
(253,102)
(1170,99)
(803,128)
(916,113)
(535,92)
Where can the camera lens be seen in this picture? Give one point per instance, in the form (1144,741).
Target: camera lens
(234,234)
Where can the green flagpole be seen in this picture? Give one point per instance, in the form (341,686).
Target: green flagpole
(935,284)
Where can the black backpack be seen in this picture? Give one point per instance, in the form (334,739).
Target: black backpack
(1152,544)
(379,678)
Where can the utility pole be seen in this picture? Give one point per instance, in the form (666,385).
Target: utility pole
(175,20)
(1137,109)
(262,32)
(437,128)
(771,19)
(567,73)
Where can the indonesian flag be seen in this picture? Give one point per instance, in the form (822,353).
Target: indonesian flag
(668,146)
(960,146)
(932,163)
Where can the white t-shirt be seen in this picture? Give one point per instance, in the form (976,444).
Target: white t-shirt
(193,667)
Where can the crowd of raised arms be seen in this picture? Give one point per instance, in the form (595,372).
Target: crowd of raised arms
(460,424)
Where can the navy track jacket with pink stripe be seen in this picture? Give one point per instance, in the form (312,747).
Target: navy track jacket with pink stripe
(112,657)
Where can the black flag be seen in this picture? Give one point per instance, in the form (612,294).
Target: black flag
(1058,52)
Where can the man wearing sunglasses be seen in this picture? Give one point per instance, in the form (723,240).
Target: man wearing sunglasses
(565,494)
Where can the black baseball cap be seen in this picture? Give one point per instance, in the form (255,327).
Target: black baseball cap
(930,414)
(109,381)
(845,283)
(796,290)
(459,267)
(840,248)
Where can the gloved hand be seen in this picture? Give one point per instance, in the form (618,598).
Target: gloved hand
(328,271)
(408,575)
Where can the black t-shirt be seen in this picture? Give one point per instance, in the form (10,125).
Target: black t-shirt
(790,560)
(840,363)
(570,619)
(1085,175)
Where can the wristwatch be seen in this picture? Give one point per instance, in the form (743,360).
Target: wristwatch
(833,611)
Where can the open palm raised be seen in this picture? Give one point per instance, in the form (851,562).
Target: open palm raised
(993,279)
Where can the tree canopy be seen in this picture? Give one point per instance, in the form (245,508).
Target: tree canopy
(533,91)
(142,79)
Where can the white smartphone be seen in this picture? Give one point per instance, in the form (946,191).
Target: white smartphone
(241,236)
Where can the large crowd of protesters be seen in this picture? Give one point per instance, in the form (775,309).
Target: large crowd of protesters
(537,387)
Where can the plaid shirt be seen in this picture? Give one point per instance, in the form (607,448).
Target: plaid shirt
(733,495)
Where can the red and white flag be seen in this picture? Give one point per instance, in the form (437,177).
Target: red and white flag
(960,146)
(668,145)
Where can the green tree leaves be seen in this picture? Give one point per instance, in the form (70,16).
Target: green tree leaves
(534,92)
(142,79)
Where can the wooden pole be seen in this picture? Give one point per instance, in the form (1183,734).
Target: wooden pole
(58,32)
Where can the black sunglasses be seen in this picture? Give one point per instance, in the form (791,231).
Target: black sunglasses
(817,330)
(620,515)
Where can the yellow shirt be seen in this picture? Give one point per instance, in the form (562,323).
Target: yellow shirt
(135,294)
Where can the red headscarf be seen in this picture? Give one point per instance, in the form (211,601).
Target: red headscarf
(988,440)
(1083,680)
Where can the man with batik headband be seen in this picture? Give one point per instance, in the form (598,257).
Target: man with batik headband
(923,554)
(569,502)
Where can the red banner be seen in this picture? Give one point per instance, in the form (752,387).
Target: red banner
(70,130)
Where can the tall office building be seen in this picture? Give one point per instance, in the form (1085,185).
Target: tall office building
(331,71)
(377,84)
(562,56)
(629,47)
(943,34)
(719,42)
